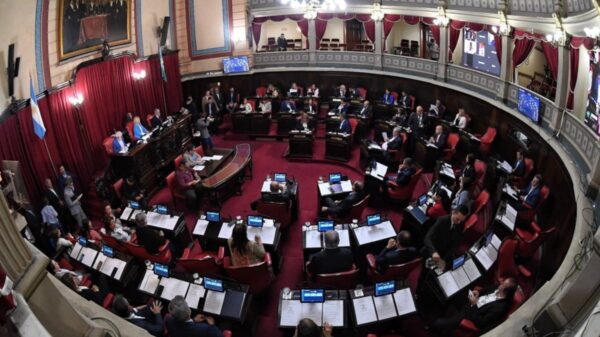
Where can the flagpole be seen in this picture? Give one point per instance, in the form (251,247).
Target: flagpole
(163,79)
(50,157)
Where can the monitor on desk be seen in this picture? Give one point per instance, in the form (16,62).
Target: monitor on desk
(162,209)
(213,216)
(214,284)
(373,219)
(422,200)
(458,262)
(83,241)
(134,204)
(335,178)
(312,296)
(161,270)
(385,288)
(255,221)
(280,177)
(108,251)
(325,225)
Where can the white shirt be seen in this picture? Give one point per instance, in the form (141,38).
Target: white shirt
(460,121)
(384,146)
(247,108)
(49,215)
(315,93)
(489,298)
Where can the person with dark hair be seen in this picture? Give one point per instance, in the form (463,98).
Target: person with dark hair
(147,317)
(519,168)
(485,308)
(441,205)
(156,120)
(341,208)
(439,138)
(468,170)
(191,106)
(50,215)
(443,238)
(73,202)
(332,259)
(116,230)
(530,195)
(463,195)
(243,251)
(93,293)
(130,190)
(63,174)
(308,328)
(188,183)
(282,43)
(181,324)
(89,233)
(202,125)
(405,172)
(397,251)
(147,237)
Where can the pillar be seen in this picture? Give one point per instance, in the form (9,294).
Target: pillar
(444,49)
(378,45)
(15,256)
(312,43)
(562,84)
(506,67)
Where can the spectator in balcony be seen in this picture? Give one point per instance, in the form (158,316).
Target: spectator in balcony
(281,43)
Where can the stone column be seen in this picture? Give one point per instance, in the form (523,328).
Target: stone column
(378,45)
(506,67)
(312,43)
(562,84)
(14,254)
(443,58)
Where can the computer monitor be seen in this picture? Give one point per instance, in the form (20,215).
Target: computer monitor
(423,200)
(162,209)
(280,177)
(335,178)
(213,216)
(312,296)
(385,288)
(255,221)
(161,270)
(83,241)
(107,250)
(325,225)
(213,284)
(134,204)
(459,261)
(488,237)
(373,219)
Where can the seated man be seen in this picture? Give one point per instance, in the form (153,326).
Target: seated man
(313,91)
(341,109)
(188,183)
(443,238)
(404,100)
(345,126)
(486,308)
(366,110)
(147,237)
(341,91)
(287,106)
(181,324)
(191,157)
(397,251)
(405,172)
(303,123)
(387,97)
(460,121)
(156,121)
(311,106)
(276,194)
(439,138)
(438,109)
(118,144)
(519,168)
(131,191)
(332,259)
(401,117)
(530,195)
(394,143)
(245,107)
(147,317)
(341,208)
(265,105)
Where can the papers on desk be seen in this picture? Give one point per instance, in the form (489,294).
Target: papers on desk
(446,189)
(496,242)
(214,302)
(75,251)
(486,256)
(194,294)
(135,212)
(198,167)
(126,214)
(87,256)
(368,234)
(149,282)
(266,187)
(314,311)
(162,221)
(374,146)
(201,226)
(385,307)
(505,166)
(214,157)
(510,191)
(267,233)
(448,284)
(379,171)
(404,302)
(268,223)
(333,312)
(110,264)
(173,287)
(364,310)
(446,169)
(312,240)
(454,280)
(344,237)
(346,186)
(291,313)
(226,230)
(331,113)
(509,217)
(432,145)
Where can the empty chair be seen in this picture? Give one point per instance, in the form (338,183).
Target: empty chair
(342,280)
(400,154)
(404,43)
(258,276)
(117,189)
(281,212)
(354,213)
(403,193)
(261,91)
(164,255)
(108,144)
(521,182)
(486,141)
(450,149)
(297,44)
(334,46)
(196,260)
(392,272)
(506,266)
(529,242)
(335,40)
(323,46)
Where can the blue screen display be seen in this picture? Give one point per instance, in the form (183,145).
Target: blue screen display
(134,204)
(235,64)
(529,104)
(82,241)
(162,209)
(489,237)
(255,221)
(480,51)
(422,199)
(385,288)
(280,177)
(373,219)
(335,178)
(312,295)
(459,261)
(108,251)
(213,284)
(325,225)
(161,270)
(213,216)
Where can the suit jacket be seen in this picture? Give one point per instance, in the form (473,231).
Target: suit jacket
(191,328)
(300,127)
(441,141)
(395,143)
(129,192)
(388,99)
(284,106)
(519,169)
(404,176)
(210,109)
(532,198)
(149,239)
(343,111)
(62,181)
(345,126)
(148,321)
(366,112)
(329,261)
(74,206)
(202,126)
(311,108)
(276,197)
(344,207)
(232,98)
(404,101)
(442,239)
(155,122)
(391,256)
(489,315)
(117,147)
(469,171)
(413,121)
(54,198)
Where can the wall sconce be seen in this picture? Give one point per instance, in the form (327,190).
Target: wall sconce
(559,37)
(76,100)
(441,19)
(377,13)
(139,75)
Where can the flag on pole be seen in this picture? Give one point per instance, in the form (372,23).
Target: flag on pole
(163,72)
(38,124)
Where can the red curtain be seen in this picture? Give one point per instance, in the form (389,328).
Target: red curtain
(522,49)
(498,46)
(551,54)
(303,25)
(573,69)
(320,27)
(370,30)
(173,88)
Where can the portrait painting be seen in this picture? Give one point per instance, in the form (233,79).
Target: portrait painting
(84,25)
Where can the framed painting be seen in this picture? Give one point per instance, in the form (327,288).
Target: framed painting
(84,25)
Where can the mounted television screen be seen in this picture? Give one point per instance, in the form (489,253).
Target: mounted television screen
(480,51)
(529,104)
(238,64)
(592,111)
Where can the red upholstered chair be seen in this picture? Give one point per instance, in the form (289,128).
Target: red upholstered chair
(395,94)
(400,154)
(450,149)
(480,170)
(506,266)
(149,120)
(353,123)
(195,260)
(486,141)
(362,92)
(199,150)
(108,299)
(178,160)
(300,90)
(164,253)
(252,104)
(85,281)
(468,329)
(480,203)
(171,185)
(403,193)
(114,243)
(261,91)
(354,213)
(108,144)
(257,276)
(281,212)
(521,182)
(117,186)
(343,280)
(527,213)
(530,242)
(129,128)
(413,100)
(393,272)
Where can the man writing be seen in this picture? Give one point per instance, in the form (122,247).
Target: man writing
(443,238)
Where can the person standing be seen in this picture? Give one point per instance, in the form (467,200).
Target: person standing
(73,202)
(202,126)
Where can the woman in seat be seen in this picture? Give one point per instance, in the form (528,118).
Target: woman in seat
(243,251)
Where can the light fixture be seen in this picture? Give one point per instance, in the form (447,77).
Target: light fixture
(139,75)
(559,37)
(593,32)
(503,27)
(441,19)
(76,100)
(377,13)
(311,7)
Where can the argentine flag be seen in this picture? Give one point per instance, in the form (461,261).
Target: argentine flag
(38,124)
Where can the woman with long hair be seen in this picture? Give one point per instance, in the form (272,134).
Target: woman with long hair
(243,251)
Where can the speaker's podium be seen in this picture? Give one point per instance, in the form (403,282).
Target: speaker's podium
(301,144)
(338,146)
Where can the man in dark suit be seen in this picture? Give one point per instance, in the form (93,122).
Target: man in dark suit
(439,138)
(131,191)
(210,107)
(63,175)
(181,324)
(485,309)
(287,106)
(149,238)
(53,197)
(416,121)
(388,98)
(147,317)
(341,109)
(394,143)
(443,238)
(342,208)
(332,259)
(282,43)
(156,121)
(232,102)
(519,168)
(366,110)
(404,100)
(405,172)
(345,126)
(397,251)
(530,195)
(276,194)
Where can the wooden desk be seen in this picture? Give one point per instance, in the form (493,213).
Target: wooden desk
(231,175)
(250,123)
(338,146)
(286,122)
(211,166)
(301,144)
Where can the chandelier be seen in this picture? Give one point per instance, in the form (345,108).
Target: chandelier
(310,7)
(377,13)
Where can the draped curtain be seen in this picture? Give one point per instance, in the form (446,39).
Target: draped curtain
(551,54)
(576,44)
(454,33)
(521,51)
(257,25)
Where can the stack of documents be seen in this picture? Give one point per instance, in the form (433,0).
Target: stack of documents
(509,217)
(505,166)
(331,312)
(379,171)
(447,170)
(369,309)
(368,234)
(201,226)
(149,282)
(454,280)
